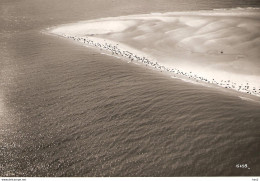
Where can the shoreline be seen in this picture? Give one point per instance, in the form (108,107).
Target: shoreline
(96,43)
(91,34)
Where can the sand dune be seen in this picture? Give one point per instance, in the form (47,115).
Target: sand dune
(222,46)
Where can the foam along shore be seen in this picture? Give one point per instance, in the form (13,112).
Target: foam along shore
(219,47)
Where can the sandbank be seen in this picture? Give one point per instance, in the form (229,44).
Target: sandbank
(219,47)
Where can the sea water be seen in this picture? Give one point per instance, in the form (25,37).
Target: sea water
(67,110)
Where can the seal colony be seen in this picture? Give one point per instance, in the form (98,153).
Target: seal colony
(219,47)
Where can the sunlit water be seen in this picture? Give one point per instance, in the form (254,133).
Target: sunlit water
(66,110)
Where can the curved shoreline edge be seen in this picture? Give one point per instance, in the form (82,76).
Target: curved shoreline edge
(122,51)
(82,32)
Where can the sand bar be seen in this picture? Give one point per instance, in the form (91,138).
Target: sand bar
(219,47)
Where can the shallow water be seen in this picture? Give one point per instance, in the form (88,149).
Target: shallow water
(66,110)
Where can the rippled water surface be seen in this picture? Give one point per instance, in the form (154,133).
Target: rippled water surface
(66,110)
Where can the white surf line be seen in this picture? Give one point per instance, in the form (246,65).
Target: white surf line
(120,50)
(248,99)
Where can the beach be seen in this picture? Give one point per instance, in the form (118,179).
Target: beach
(217,47)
